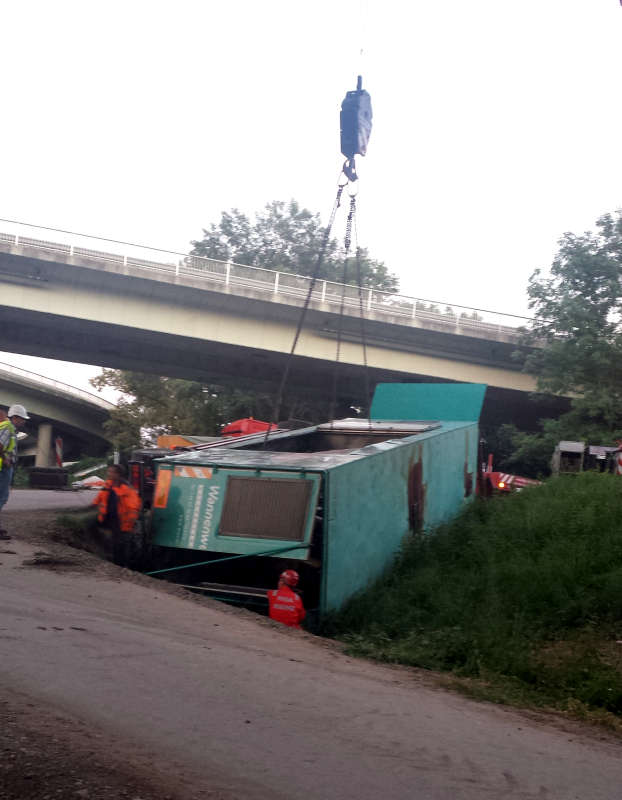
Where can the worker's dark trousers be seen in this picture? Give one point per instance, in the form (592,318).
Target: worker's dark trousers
(127,549)
(120,548)
(118,541)
(6,478)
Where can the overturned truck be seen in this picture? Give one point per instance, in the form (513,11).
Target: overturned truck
(333,501)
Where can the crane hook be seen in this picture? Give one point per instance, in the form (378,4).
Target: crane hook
(355,124)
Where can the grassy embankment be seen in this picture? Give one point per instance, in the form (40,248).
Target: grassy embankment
(519,599)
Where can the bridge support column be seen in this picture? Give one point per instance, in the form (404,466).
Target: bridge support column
(44,456)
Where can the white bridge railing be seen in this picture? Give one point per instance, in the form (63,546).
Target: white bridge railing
(228,276)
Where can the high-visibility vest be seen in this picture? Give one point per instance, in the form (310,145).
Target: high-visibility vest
(10,448)
(128,505)
(286,606)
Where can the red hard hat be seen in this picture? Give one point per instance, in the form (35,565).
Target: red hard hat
(290,577)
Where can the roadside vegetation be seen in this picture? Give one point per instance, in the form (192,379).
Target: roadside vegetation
(574,344)
(20,478)
(519,599)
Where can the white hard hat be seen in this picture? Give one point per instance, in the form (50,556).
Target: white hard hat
(18,411)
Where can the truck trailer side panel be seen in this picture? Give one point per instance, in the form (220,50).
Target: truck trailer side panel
(398,488)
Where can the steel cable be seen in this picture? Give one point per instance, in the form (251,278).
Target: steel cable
(320,260)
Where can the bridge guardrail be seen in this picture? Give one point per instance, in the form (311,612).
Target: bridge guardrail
(449,317)
(63,388)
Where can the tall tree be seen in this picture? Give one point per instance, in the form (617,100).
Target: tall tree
(578,315)
(286,238)
(577,340)
(152,405)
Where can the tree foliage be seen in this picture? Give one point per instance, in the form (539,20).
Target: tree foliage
(577,341)
(529,454)
(286,238)
(153,405)
(578,317)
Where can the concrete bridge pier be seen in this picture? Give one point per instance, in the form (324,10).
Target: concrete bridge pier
(44,456)
(55,409)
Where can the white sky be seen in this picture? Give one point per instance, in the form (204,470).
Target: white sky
(496,126)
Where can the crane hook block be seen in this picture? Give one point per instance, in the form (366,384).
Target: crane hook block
(355,121)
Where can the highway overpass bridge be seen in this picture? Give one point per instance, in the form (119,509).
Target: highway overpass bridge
(118,305)
(56,410)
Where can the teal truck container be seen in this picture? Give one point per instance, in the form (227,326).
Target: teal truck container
(333,501)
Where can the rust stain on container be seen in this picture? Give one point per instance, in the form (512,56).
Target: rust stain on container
(416,494)
(468,481)
(468,476)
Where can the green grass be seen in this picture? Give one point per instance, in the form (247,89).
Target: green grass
(79,522)
(20,478)
(521,594)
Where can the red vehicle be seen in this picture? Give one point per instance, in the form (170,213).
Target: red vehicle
(504,481)
(242,427)
(142,470)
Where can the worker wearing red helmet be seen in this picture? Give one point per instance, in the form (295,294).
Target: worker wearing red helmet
(285,605)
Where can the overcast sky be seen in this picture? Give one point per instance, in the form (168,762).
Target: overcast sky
(496,126)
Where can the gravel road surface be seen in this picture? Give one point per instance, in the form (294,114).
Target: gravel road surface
(48,499)
(183,698)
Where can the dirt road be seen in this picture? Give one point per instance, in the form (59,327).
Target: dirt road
(48,499)
(177,697)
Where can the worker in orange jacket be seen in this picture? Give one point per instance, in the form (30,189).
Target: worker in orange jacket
(118,506)
(285,605)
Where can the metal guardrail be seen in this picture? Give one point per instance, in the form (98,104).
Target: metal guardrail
(227,275)
(58,386)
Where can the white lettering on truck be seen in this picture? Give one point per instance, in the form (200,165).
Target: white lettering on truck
(194,523)
(208,519)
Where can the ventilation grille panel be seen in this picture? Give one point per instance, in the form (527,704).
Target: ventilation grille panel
(266,508)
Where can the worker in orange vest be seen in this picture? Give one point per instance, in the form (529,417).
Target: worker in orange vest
(285,605)
(118,506)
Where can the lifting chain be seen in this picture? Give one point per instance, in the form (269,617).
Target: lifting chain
(316,273)
(347,244)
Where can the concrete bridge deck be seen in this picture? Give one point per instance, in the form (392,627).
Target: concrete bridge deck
(56,409)
(124,306)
